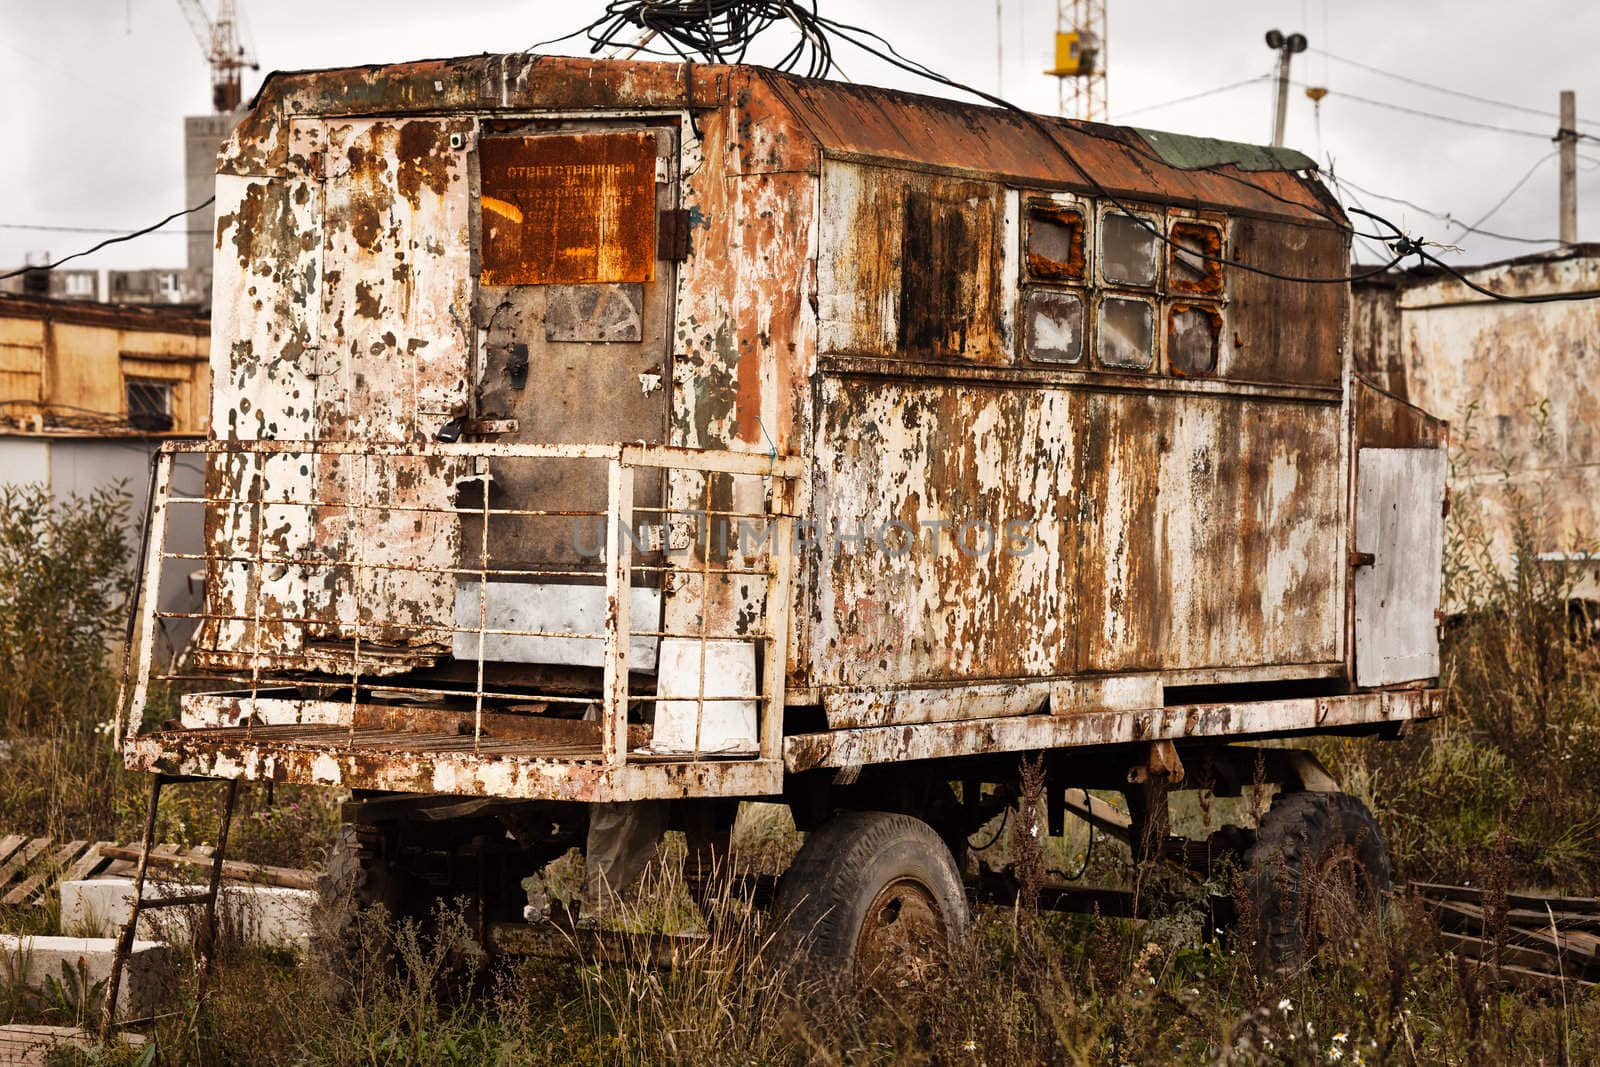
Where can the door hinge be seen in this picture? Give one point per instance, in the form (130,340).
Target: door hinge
(1362,559)
(672,235)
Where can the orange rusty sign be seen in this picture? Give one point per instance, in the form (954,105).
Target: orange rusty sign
(569,209)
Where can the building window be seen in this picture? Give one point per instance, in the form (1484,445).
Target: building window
(1127,333)
(1196,264)
(149,404)
(1130,250)
(1057,249)
(1192,335)
(1054,326)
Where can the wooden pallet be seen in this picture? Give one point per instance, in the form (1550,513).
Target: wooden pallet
(25,1046)
(1538,941)
(31,868)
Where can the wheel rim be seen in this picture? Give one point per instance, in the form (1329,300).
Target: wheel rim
(901,936)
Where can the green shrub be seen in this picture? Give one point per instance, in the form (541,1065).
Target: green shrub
(65,577)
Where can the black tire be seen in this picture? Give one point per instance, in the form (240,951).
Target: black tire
(873,898)
(1318,872)
(356,880)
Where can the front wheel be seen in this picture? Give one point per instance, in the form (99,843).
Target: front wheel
(874,898)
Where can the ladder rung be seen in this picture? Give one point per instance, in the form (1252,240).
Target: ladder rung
(174,902)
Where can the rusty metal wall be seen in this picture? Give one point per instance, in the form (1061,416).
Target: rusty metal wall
(1173,531)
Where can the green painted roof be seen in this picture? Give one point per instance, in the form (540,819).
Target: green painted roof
(1195,153)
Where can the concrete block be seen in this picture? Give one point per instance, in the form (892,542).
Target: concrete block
(144,987)
(259,914)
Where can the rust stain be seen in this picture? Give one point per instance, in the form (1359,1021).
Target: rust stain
(1201,271)
(1069,221)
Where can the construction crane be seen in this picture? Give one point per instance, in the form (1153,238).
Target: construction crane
(227,54)
(1080,69)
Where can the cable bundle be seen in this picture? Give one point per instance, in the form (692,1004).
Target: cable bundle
(717,31)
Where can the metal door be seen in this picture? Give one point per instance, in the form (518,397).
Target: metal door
(1399,553)
(574,315)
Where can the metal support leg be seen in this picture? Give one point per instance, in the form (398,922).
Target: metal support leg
(119,957)
(208,936)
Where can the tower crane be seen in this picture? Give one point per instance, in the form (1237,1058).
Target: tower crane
(227,54)
(1080,69)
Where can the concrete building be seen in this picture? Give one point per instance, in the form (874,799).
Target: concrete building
(202,136)
(1518,382)
(89,391)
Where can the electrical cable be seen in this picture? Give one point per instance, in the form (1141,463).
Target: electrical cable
(1498,204)
(1083,868)
(1436,88)
(87,229)
(207,202)
(1514,130)
(1005,817)
(1121,115)
(1447,218)
(1410,246)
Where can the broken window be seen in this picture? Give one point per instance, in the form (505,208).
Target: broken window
(149,404)
(1196,265)
(569,209)
(1192,337)
(1054,326)
(1129,250)
(1127,332)
(1055,242)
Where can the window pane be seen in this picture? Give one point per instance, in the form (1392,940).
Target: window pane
(1192,340)
(1194,266)
(1129,249)
(1055,326)
(149,404)
(1055,243)
(1127,333)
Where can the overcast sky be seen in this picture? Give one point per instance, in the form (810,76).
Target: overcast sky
(93,92)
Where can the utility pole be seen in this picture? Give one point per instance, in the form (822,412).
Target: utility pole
(1286,47)
(1567,138)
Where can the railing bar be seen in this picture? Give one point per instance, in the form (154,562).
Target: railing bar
(483,608)
(361,552)
(237,502)
(705,612)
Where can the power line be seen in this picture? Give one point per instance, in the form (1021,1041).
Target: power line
(1196,96)
(90,229)
(1498,204)
(1435,88)
(207,202)
(1516,131)
(1449,219)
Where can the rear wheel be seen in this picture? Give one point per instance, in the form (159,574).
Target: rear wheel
(1316,876)
(873,898)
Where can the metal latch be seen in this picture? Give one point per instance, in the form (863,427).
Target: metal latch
(672,235)
(1362,559)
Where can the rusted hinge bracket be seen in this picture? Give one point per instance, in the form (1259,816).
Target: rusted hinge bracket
(672,235)
(1362,559)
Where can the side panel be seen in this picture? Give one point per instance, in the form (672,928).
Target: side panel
(926,251)
(1169,531)
(265,349)
(1400,523)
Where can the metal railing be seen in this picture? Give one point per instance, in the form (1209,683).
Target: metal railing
(335,574)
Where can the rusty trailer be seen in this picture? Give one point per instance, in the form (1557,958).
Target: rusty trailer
(602,431)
